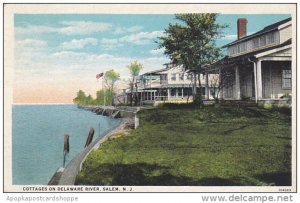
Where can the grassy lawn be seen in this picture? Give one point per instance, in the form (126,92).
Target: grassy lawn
(179,145)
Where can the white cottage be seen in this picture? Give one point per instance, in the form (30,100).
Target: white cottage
(258,66)
(173,83)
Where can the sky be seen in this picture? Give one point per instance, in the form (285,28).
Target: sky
(57,54)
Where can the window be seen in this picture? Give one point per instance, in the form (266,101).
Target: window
(213,91)
(262,40)
(163,78)
(189,76)
(203,90)
(180,92)
(286,79)
(243,47)
(271,38)
(173,92)
(173,76)
(181,76)
(255,43)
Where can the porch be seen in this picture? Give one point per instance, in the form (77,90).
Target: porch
(261,77)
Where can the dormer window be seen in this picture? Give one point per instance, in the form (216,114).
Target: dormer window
(173,76)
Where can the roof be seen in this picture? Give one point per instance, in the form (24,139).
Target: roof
(246,56)
(155,71)
(266,29)
(176,85)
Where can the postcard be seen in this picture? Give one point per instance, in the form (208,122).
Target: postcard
(149,98)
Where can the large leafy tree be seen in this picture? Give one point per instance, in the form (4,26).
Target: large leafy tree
(135,69)
(191,43)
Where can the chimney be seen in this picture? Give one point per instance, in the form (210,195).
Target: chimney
(241,27)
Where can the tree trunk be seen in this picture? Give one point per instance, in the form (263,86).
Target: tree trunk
(131,92)
(194,87)
(136,94)
(197,94)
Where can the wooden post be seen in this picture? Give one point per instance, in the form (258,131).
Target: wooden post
(66,147)
(90,137)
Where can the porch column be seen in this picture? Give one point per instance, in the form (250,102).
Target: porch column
(259,79)
(181,92)
(176,92)
(237,83)
(169,94)
(220,85)
(206,86)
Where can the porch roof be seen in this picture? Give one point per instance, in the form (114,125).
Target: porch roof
(166,86)
(176,86)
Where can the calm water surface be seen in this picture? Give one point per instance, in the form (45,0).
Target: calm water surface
(38,136)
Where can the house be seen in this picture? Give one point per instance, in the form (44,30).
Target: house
(172,83)
(258,66)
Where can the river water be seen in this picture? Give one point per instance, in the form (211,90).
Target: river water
(38,138)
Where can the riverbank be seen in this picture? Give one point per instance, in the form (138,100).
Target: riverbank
(112,111)
(67,175)
(246,146)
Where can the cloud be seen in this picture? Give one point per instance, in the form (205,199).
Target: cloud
(121,30)
(157,51)
(107,43)
(229,37)
(31,43)
(29,49)
(141,38)
(84,27)
(65,28)
(78,43)
(81,64)
(233,36)
(72,70)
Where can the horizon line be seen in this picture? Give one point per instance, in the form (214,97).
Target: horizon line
(40,103)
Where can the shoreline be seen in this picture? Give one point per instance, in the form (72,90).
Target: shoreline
(67,175)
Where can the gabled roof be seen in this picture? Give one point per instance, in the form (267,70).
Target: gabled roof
(267,29)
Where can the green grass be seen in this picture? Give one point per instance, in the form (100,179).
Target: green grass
(181,145)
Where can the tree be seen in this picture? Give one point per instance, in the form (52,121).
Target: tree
(135,69)
(100,97)
(111,77)
(80,98)
(224,79)
(89,99)
(192,45)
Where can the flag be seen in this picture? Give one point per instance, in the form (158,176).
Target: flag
(99,75)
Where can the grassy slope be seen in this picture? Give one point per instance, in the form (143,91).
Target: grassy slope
(209,146)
